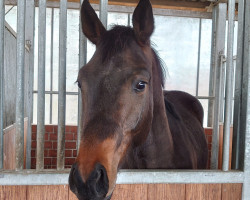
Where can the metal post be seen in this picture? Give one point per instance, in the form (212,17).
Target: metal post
(198,59)
(29,34)
(212,69)
(221,10)
(62,84)
(245,121)
(82,62)
(19,137)
(229,86)
(51,62)
(41,85)
(104,12)
(2,28)
(237,149)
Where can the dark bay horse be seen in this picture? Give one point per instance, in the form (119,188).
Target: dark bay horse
(128,120)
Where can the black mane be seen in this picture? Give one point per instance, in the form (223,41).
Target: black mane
(119,38)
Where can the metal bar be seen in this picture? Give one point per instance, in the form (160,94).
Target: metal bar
(229,86)
(62,84)
(52,177)
(129,20)
(222,89)
(29,34)
(56,92)
(198,59)
(51,62)
(2,28)
(82,62)
(104,12)
(221,10)
(246,104)
(19,136)
(212,68)
(237,135)
(41,85)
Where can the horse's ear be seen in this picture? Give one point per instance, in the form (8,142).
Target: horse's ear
(143,22)
(91,25)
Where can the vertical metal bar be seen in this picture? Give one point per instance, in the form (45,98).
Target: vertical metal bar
(221,11)
(19,137)
(62,84)
(29,34)
(82,62)
(229,85)
(237,134)
(129,20)
(212,69)
(41,85)
(2,28)
(51,62)
(222,88)
(104,12)
(198,59)
(246,104)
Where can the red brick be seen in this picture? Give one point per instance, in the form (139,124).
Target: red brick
(46,153)
(68,153)
(48,145)
(208,131)
(33,144)
(33,153)
(75,136)
(74,153)
(53,136)
(70,145)
(53,166)
(52,153)
(46,136)
(54,161)
(69,136)
(68,129)
(33,128)
(49,128)
(54,145)
(67,166)
(74,129)
(33,161)
(47,161)
(69,161)
(33,136)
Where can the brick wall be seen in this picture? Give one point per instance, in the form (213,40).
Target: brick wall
(50,146)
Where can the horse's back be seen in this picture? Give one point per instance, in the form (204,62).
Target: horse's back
(185,115)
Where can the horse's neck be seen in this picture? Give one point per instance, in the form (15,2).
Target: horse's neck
(159,144)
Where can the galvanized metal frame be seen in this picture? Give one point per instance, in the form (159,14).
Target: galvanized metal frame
(62,85)
(82,62)
(41,85)
(229,86)
(2,29)
(29,37)
(218,44)
(19,136)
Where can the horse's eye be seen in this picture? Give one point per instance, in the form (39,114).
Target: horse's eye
(79,85)
(140,86)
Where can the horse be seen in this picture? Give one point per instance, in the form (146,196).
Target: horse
(128,120)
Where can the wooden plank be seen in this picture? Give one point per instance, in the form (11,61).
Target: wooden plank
(231,191)
(72,196)
(13,192)
(203,191)
(166,191)
(130,192)
(44,192)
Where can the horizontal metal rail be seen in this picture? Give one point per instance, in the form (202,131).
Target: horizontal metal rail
(56,92)
(52,177)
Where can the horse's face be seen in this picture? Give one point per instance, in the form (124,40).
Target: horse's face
(116,87)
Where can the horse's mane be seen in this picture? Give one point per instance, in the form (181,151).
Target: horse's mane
(119,38)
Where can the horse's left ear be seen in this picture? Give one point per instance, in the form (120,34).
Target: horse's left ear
(143,22)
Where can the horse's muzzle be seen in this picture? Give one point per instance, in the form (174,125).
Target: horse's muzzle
(96,186)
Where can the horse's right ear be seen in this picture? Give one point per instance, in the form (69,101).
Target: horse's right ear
(91,25)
